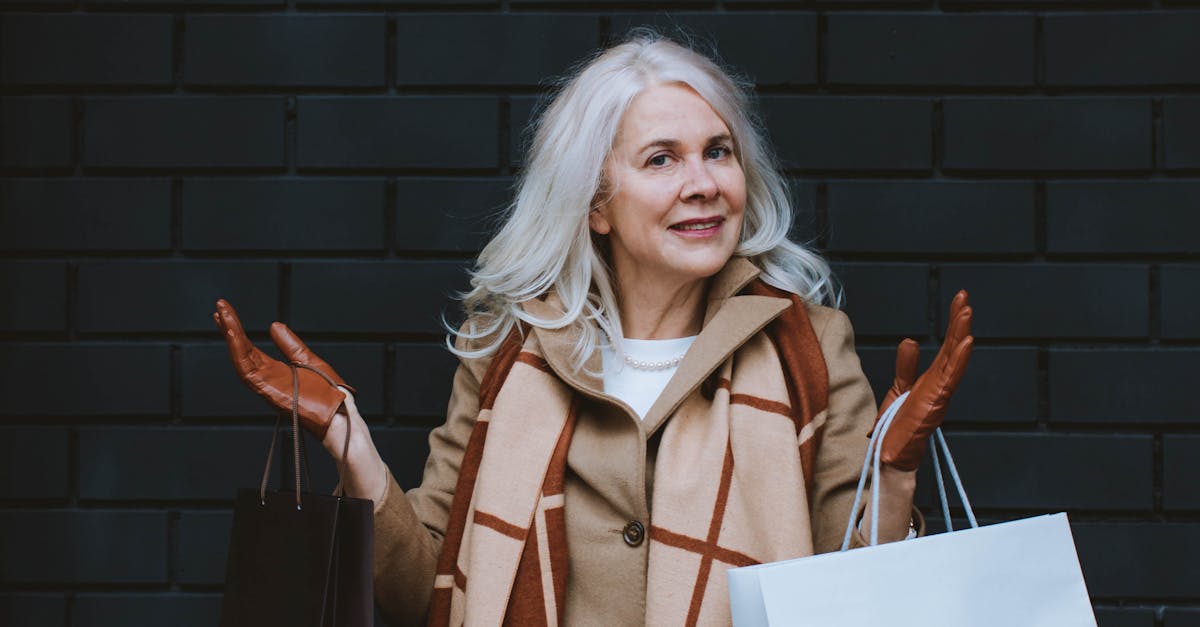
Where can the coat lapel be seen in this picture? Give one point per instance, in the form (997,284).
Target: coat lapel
(729,320)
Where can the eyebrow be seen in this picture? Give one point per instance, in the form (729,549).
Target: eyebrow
(674,143)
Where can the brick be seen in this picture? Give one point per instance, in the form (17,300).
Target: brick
(521,114)
(1181,133)
(34,462)
(232,3)
(286,50)
(362,366)
(184,132)
(942,217)
(404,450)
(405,132)
(1056,472)
(211,388)
(834,3)
(1025,134)
(203,547)
(180,610)
(886,299)
(829,133)
(655,3)
(490,49)
(1181,617)
(33,609)
(1181,467)
(1122,216)
(1123,386)
(103,379)
(1055,300)
(1090,50)
(1149,560)
(42,305)
(806,224)
(791,59)
(1081,3)
(85,214)
(401,3)
(174,463)
(93,546)
(1124,617)
(136,296)
(1001,383)
(86,49)
(1180,286)
(424,373)
(36,133)
(449,214)
(287,215)
(958,50)
(391,297)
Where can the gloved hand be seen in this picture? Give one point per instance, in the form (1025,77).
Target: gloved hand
(929,396)
(272,379)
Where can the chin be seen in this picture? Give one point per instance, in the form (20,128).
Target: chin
(705,267)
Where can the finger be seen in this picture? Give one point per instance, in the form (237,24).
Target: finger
(289,344)
(227,317)
(240,347)
(907,354)
(957,364)
(957,303)
(960,326)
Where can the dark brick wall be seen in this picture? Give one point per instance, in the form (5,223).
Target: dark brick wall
(335,163)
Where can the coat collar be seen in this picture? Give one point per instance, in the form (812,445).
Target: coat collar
(729,320)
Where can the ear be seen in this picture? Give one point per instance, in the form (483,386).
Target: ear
(598,221)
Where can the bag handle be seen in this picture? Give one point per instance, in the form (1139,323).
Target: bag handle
(298,443)
(872,461)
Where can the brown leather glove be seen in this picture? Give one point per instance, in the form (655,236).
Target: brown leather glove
(929,396)
(272,379)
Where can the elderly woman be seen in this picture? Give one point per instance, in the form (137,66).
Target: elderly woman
(651,389)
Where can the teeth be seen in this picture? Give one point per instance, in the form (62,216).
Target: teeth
(696,226)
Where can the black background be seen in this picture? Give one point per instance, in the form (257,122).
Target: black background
(336,164)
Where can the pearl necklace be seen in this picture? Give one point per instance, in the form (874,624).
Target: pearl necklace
(639,364)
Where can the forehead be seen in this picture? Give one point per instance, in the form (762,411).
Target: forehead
(671,111)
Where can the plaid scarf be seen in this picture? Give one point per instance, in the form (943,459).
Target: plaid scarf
(763,409)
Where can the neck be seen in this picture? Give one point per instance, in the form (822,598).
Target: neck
(660,309)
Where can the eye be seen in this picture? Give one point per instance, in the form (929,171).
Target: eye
(718,152)
(659,160)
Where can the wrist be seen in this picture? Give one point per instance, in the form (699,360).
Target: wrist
(897,480)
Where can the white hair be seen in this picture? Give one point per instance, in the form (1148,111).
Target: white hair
(545,244)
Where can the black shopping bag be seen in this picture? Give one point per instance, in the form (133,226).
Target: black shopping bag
(298,559)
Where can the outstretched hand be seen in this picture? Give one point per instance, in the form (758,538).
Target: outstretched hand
(929,395)
(272,379)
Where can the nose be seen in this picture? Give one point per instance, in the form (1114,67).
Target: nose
(699,184)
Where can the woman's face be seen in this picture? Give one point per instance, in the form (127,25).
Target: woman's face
(676,190)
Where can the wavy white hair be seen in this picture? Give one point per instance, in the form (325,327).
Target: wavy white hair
(545,244)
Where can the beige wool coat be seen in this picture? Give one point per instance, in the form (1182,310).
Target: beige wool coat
(611,459)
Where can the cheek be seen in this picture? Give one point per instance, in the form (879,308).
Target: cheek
(734,191)
(646,201)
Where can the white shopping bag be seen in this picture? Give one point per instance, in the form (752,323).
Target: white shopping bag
(1023,573)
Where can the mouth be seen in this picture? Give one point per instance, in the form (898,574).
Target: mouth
(699,227)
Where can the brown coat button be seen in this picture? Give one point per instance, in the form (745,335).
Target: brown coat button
(634,533)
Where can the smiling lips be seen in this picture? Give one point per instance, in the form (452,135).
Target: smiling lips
(700,227)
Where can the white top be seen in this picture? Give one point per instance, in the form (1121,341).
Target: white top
(640,388)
